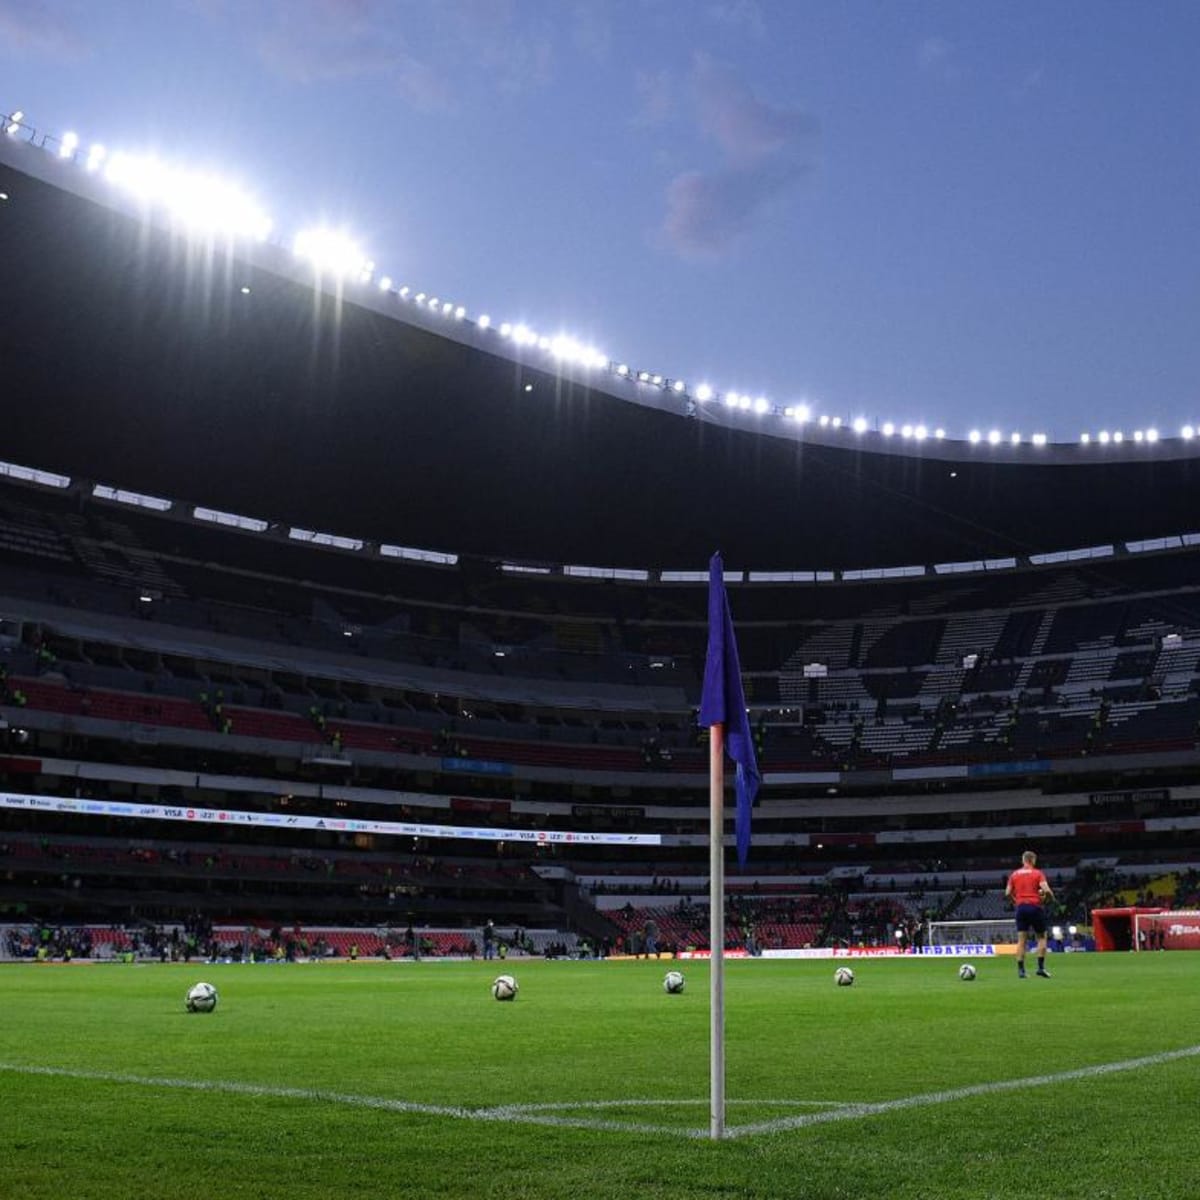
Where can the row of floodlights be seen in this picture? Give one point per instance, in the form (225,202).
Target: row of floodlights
(206,203)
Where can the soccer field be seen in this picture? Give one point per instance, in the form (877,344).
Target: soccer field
(401,1079)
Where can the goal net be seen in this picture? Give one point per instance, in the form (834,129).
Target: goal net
(1167,930)
(971,933)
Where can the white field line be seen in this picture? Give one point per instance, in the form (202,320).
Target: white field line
(544,1114)
(964,1093)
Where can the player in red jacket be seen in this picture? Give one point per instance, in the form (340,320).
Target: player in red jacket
(1027,889)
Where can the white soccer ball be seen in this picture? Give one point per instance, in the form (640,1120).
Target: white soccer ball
(201,997)
(504,987)
(673,982)
(966,972)
(843,976)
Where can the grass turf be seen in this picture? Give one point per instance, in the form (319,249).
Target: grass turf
(582,1033)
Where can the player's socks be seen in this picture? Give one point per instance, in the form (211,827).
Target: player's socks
(1042,969)
(1020,970)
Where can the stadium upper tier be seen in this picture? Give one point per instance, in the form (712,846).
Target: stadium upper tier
(224,375)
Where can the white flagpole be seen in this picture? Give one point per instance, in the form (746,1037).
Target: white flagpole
(716,902)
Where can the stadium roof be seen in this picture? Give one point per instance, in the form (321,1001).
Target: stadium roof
(138,355)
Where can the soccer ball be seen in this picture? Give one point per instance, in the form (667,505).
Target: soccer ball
(673,982)
(201,997)
(504,987)
(843,976)
(966,972)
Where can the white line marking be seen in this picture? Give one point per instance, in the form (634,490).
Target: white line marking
(979,1089)
(543,1114)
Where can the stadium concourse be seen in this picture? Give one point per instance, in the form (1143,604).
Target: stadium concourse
(391,698)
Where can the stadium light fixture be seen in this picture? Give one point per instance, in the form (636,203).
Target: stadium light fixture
(403,293)
(836,422)
(1015,439)
(331,252)
(434,302)
(940,434)
(96,155)
(823,420)
(744,402)
(459,313)
(484,321)
(643,377)
(1152,435)
(731,399)
(860,425)
(244,289)
(920,433)
(994,437)
(1104,437)
(657,380)
(68,145)
(887,429)
(678,386)
(14,122)
(1138,435)
(623,370)
(906,431)
(448,306)
(974,437)
(761,406)
(1038,439)
(1118,437)
(385,283)
(1187,433)
(704,393)
(196,199)
(1085,438)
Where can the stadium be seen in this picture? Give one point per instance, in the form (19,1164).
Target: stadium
(352,644)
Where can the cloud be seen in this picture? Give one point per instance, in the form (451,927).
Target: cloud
(765,151)
(708,212)
(37,27)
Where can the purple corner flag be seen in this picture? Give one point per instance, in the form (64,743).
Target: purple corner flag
(724,701)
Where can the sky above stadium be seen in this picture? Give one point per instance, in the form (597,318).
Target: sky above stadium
(960,214)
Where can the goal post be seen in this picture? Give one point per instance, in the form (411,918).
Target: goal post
(996,931)
(1179,930)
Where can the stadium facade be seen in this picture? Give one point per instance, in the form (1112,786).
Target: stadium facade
(323,609)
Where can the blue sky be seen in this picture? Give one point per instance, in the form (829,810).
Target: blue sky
(960,214)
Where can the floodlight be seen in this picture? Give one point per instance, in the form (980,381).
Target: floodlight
(743,402)
(643,376)
(1104,437)
(448,306)
(1138,435)
(459,313)
(731,399)
(1085,438)
(622,369)
(505,329)
(1039,439)
(1152,435)
(484,321)
(704,393)
(678,386)
(15,122)
(330,251)
(385,284)
(887,429)
(802,413)
(761,406)
(1015,439)
(1118,437)
(939,434)
(656,380)
(404,291)
(836,422)
(906,431)
(994,437)
(974,437)
(245,289)
(68,145)
(1187,433)
(96,155)
(920,433)
(860,424)
(823,421)
(434,302)
(543,343)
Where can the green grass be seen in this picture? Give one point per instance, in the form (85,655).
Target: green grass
(588,1032)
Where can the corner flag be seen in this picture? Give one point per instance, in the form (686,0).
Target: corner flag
(724,702)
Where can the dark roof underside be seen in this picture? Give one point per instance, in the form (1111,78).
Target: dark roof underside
(130,358)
